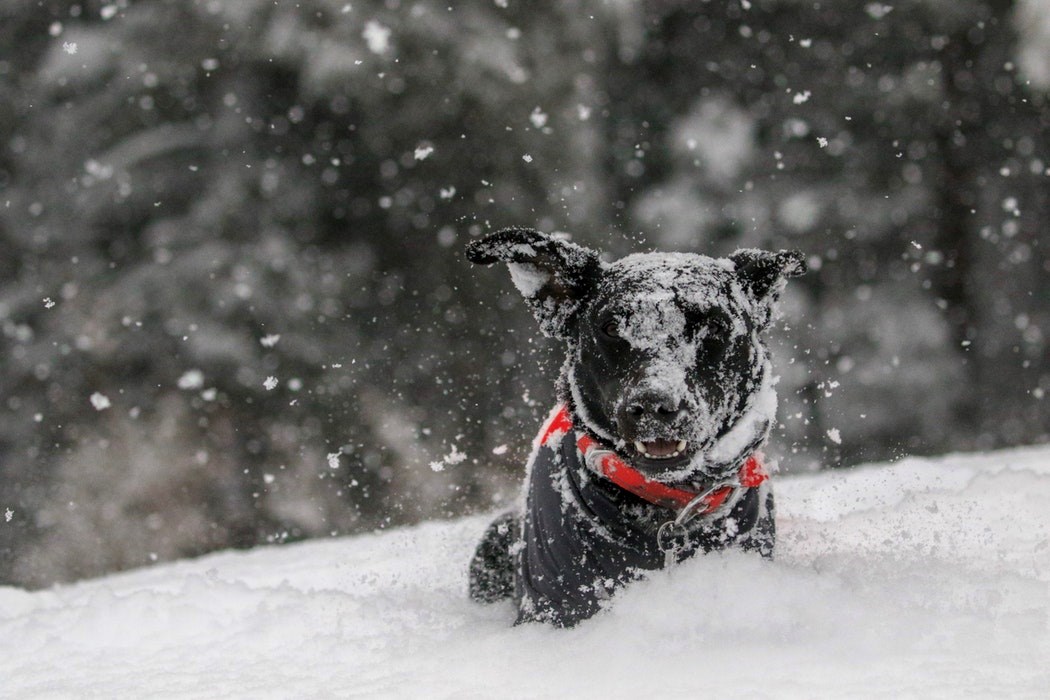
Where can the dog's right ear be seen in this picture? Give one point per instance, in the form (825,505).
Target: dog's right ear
(554,276)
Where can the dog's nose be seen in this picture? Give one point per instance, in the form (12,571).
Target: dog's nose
(652,404)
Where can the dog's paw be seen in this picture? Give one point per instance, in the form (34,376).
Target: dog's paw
(492,567)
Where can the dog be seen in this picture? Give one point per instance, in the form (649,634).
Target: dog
(666,399)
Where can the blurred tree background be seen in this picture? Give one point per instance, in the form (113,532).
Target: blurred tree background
(233,302)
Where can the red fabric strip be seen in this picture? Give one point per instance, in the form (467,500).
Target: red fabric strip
(751,474)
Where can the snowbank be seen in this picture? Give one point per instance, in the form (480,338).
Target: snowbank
(917,579)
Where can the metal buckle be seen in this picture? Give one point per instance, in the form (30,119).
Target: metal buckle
(689,511)
(593,458)
(665,536)
(671,535)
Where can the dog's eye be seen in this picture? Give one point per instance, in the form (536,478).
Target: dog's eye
(710,338)
(703,333)
(611,329)
(710,330)
(715,343)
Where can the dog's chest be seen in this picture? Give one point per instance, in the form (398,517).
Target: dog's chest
(583,538)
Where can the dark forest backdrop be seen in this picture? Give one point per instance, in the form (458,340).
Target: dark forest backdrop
(183,181)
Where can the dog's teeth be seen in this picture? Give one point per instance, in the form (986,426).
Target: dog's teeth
(679,450)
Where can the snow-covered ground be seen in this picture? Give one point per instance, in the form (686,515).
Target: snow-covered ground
(925,578)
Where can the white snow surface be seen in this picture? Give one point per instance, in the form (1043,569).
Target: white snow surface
(924,578)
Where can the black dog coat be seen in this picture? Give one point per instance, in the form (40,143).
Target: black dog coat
(576,546)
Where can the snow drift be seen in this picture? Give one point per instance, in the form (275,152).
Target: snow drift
(921,578)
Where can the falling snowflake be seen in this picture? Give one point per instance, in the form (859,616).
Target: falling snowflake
(48,303)
(499,450)
(801,97)
(69,47)
(452,458)
(191,379)
(835,436)
(333,460)
(448,193)
(268,341)
(8,514)
(527,158)
(876,10)
(423,150)
(538,118)
(100,401)
(822,142)
(270,383)
(377,36)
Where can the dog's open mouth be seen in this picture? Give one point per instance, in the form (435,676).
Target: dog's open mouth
(660,449)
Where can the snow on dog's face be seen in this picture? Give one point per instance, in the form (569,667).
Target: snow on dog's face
(666,361)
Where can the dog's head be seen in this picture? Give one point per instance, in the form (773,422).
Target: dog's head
(666,360)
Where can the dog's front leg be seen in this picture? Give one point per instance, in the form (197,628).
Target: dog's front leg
(492,567)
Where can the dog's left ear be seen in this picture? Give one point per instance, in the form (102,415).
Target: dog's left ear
(765,274)
(553,275)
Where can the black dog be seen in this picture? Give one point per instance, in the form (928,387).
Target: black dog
(667,395)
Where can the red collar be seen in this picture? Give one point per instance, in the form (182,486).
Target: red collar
(615,469)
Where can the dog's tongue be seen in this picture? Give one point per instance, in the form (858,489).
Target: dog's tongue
(661,448)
